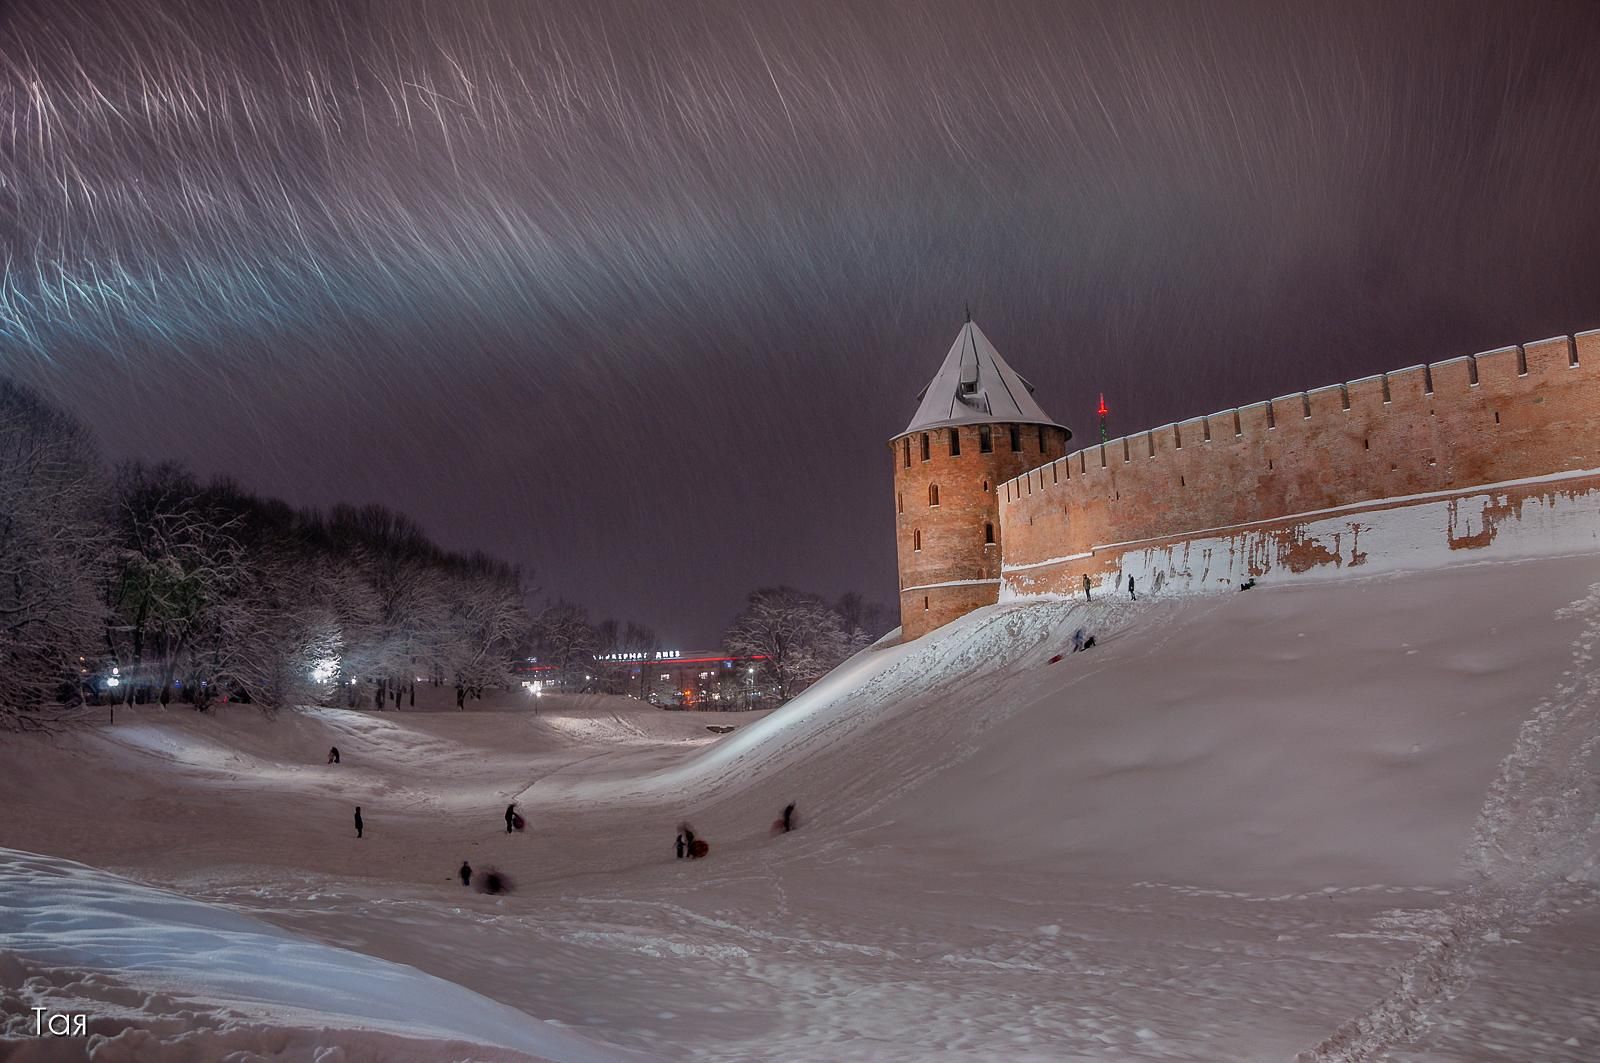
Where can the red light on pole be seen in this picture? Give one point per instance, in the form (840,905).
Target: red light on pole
(1102,412)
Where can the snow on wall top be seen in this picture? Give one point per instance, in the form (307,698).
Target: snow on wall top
(976,386)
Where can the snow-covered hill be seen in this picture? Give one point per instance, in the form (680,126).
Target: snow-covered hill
(1218,835)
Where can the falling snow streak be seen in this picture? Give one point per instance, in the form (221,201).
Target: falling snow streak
(497,224)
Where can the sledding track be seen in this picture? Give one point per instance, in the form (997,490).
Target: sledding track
(1213,837)
(1539,831)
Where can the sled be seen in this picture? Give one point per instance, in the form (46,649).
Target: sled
(1056,658)
(518,822)
(698,849)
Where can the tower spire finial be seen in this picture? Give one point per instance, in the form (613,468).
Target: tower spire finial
(969,313)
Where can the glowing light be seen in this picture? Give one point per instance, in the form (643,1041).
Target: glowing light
(325,670)
(113,681)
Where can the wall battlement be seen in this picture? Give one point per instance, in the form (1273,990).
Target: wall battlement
(1503,415)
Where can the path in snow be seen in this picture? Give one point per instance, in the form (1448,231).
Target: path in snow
(1535,846)
(1214,837)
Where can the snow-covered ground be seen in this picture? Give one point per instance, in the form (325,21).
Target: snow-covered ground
(1355,820)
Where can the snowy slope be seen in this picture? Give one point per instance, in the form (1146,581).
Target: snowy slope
(1218,836)
(56,914)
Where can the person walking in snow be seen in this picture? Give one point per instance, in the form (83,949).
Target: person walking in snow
(358,821)
(465,873)
(333,755)
(788,817)
(680,846)
(1077,640)
(1086,587)
(511,816)
(1132,595)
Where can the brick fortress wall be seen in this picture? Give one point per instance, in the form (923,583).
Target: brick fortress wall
(947,565)
(1506,415)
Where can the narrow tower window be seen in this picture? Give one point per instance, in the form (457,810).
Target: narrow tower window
(908,451)
(916,539)
(899,502)
(1016,438)
(955,442)
(1041,439)
(933,494)
(924,446)
(985,439)
(988,534)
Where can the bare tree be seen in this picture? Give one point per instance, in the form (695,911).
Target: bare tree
(798,634)
(180,562)
(53,554)
(864,622)
(628,640)
(486,625)
(566,640)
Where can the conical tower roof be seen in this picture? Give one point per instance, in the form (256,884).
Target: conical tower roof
(976,386)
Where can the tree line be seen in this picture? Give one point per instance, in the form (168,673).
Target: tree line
(138,583)
(795,637)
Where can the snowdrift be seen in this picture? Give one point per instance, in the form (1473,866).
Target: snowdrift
(1341,732)
(178,959)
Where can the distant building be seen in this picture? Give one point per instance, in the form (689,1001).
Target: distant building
(708,680)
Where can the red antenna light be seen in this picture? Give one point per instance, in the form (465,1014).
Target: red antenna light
(1102,411)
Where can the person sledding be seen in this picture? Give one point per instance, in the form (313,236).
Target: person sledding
(695,847)
(786,822)
(514,820)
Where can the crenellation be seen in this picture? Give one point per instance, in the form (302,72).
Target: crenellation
(1415,432)
(1586,349)
(1251,421)
(1453,377)
(1548,356)
(1497,366)
(1326,403)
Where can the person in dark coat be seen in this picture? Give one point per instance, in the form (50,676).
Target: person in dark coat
(1086,588)
(680,847)
(788,817)
(511,816)
(688,838)
(358,821)
(333,755)
(1132,595)
(465,873)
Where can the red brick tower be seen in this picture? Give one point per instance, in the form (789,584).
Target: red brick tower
(977,427)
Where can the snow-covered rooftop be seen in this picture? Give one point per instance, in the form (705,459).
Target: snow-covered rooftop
(974,386)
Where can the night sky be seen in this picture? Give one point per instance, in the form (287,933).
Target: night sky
(633,295)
